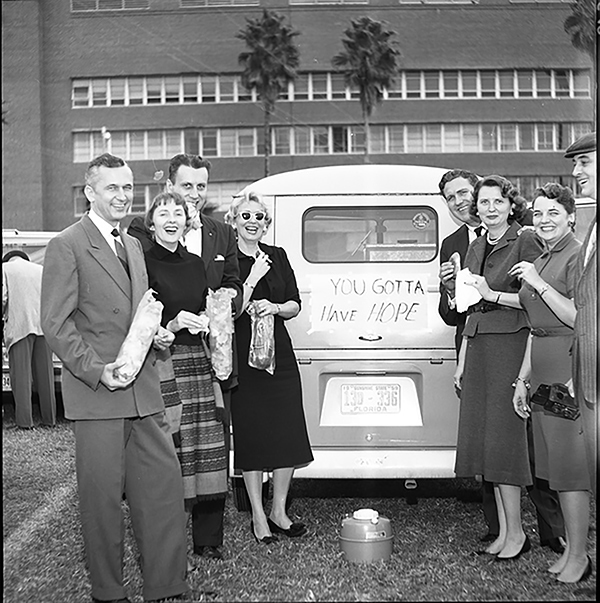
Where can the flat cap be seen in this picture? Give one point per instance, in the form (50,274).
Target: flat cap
(585,144)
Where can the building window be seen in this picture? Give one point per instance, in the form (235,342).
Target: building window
(282,141)
(469,84)
(320,138)
(172,92)
(413,84)
(99,93)
(487,81)
(228,88)
(581,83)
(202,3)
(543,83)
(209,139)
(80,96)
(302,140)
(155,145)
(329,1)
(432,84)
(506,84)
(135,88)
(301,87)
(338,86)
(450,82)
(117,91)
(154,90)
(208,85)
(95,5)
(525,83)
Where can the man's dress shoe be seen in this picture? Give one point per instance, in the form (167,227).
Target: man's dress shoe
(210,552)
(555,544)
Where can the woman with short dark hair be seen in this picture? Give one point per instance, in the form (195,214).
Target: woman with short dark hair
(492,440)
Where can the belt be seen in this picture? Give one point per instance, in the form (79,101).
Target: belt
(484,306)
(552,332)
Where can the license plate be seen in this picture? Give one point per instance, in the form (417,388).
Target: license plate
(5,382)
(370,398)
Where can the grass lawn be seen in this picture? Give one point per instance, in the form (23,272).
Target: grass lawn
(432,558)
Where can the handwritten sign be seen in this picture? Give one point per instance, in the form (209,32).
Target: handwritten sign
(368,302)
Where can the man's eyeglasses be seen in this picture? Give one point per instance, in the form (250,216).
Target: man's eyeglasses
(259,216)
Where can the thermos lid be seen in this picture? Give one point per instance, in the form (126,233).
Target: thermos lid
(366,515)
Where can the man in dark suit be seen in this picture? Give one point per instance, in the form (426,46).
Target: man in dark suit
(215,243)
(457,188)
(94,278)
(585,353)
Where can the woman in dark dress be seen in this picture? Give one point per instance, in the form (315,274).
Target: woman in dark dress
(269,427)
(492,439)
(179,279)
(546,294)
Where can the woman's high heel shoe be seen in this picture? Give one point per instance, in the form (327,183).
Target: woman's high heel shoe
(294,531)
(526,547)
(265,539)
(587,572)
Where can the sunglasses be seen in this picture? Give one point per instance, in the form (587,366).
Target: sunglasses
(259,216)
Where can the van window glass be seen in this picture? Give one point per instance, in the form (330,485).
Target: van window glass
(369,234)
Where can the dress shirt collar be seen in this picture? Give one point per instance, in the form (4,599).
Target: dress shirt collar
(104,227)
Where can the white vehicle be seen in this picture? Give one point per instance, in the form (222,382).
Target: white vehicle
(376,360)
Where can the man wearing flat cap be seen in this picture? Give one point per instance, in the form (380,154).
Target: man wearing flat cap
(585,352)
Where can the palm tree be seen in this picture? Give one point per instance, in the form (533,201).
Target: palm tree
(369,62)
(580,25)
(269,64)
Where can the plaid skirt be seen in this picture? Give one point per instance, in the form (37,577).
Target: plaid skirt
(201,446)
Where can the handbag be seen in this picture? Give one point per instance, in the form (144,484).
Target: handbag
(556,399)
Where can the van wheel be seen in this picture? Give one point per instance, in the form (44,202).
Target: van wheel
(240,494)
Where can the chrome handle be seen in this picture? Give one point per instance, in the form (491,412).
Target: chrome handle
(370,337)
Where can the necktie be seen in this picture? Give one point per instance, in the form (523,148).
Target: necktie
(121,254)
(479,230)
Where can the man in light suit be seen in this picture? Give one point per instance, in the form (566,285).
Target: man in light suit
(585,353)
(29,357)
(457,188)
(94,277)
(216,244)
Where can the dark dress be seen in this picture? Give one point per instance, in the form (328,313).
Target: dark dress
(492,438)
(179,280)
(269,427)
(558,443)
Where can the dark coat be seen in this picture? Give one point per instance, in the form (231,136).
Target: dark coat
(512,248)
(458,241)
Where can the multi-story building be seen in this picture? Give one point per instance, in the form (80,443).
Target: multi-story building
(494,86)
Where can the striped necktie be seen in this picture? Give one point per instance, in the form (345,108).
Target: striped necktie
(121,254)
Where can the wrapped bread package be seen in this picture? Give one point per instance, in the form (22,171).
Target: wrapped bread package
(261,354)
(143,328)
(220,337)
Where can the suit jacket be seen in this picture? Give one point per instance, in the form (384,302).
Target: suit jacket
(512,248)
(88,302)
(458,241)
(585,357)
(21,293)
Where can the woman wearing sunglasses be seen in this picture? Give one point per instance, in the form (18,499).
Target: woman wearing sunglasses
(269,427)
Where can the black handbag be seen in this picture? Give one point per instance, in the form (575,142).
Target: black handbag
(556,399)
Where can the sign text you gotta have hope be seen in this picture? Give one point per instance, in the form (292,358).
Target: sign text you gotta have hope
(368,301)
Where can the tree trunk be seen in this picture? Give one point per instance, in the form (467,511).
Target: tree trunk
(366,126)
(267,137)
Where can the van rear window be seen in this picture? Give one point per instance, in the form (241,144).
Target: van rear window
(369,234)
